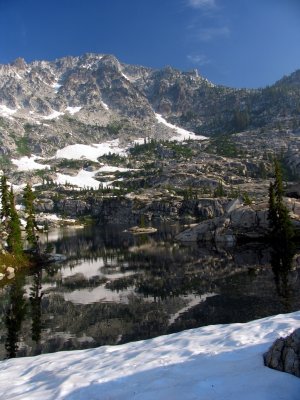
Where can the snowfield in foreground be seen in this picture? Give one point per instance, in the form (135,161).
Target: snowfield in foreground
(221,362)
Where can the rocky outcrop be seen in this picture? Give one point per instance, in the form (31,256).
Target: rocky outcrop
(50,104)
(239,222)
(73,207)
(213,230)
(44,205)
(204,208)
(131,210)
(294,190)
(284,354)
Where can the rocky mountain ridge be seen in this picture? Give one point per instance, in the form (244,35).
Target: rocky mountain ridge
(46,105)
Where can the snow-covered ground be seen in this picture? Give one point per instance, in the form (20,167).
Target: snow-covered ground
(6,111)
(56,86)
(105,106)
(73,110)
(55,114)
(28,163)
(90,152)
(221,362)
(181,134)
(84,179)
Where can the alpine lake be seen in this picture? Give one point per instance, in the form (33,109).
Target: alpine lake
(115,287)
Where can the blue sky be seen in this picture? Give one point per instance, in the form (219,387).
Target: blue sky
(239,43)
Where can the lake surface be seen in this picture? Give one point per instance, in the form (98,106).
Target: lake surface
(115,287)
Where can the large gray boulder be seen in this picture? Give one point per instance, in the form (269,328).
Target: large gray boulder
(239,221)
(213,230)
(284,354)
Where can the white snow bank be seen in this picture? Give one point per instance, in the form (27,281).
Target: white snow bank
(53,115)
(84,179)
(73,110)
(111,168)
(105,106)
(6,111)
(56,86)
(182,134)
(90,152)
(29,163)
(126,77)
(218,362)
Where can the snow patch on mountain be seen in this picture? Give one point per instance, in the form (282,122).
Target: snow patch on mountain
(84,179)
(110,168)
(53,115)
(105,106)
(6,111)
(182,134)
(126,77)
(73,110)
(56,86)
(29,163)
(92,63)
(90,152)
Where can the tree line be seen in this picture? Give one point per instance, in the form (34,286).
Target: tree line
(10,221)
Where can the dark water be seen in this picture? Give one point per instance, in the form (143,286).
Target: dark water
(116,287)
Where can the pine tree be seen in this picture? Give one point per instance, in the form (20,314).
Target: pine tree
(30,228)
(272,214)
(278,215)
(4,189)
(14,239)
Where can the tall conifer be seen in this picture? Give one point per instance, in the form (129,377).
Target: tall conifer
(30,216)
(280,222)
(4,189)
(14,239)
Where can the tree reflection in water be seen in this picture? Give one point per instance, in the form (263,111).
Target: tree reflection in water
(36,295)
(282,257)
(15,315)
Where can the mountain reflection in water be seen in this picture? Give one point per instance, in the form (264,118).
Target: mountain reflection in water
(116,287)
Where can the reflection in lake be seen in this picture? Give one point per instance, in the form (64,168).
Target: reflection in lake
(116,287)
(14,315)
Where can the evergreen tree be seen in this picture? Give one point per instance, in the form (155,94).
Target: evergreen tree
(14,239)
(4,189)
(280,222)
(272,213)
(219,191)
(30,216)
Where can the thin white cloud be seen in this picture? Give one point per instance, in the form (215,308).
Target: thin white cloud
(202,4)
(198,59)
(208,34)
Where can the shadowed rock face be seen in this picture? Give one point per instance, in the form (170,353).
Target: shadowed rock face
(240,221)
(284,355)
